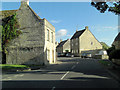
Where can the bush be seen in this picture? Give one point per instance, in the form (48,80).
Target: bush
(115,54)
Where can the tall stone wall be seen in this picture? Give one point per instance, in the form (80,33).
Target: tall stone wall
(28,48)
(33,55)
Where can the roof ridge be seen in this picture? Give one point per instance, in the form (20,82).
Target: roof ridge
(62,43)
(117,37)
(34,12)
(78,34)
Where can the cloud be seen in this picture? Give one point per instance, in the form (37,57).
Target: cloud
(55,21)
(105,28)
(112,27)
(61,33)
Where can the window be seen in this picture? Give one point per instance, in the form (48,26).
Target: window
(76,43)
(47,35)
(76,51)
(91,43)
(48,54)
(52,37)
(72,44)
(72,40)
(72,51)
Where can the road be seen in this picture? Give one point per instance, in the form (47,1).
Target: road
(71,73)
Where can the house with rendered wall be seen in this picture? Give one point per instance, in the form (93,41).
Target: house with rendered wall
(83,41)
(36,44)
(63,46)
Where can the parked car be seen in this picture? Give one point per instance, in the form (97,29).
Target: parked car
(61,54)
(69,55)
(86,55)
(58,54)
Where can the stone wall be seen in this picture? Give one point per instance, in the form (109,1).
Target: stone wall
(26,55)
(74,44)
(28,48)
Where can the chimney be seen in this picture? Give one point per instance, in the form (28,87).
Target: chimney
(60,40)
(86,27)
(25,2)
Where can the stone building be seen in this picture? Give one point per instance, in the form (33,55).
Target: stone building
(116,42)
(63,46)
(84,41)
(36,44)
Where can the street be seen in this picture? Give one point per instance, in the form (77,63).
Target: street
(70,73)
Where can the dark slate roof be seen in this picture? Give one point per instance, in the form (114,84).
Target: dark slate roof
(77,34)
(62,43)
(117,37)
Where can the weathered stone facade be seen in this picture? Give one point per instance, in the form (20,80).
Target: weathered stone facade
(32,45)
(83,41)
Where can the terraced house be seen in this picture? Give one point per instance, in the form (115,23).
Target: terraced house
(36,43)
(84,41)
(63,46)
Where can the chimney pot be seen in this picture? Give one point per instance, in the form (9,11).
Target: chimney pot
(86,27)
(25,1)
(60,40)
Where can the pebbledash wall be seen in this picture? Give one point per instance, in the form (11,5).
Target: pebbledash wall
(31,46)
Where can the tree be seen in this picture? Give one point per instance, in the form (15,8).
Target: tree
(107,6)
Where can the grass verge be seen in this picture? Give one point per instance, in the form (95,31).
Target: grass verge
(105,62)
(9,66)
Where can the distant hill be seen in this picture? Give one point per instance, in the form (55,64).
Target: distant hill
(105,46)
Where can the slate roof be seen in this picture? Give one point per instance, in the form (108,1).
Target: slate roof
(117,37)
(62,43)
(78,34)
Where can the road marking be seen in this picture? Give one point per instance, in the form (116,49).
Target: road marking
(73,67)
(6,79)
(19,75)
(53,88)
(77,62)
(64,75)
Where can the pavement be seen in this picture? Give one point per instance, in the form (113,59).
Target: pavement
(72,73)
(115,72)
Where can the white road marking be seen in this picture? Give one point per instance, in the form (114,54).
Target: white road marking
(64,75)
(73,67)
(7,79)
(19,75)
(10,78)
(53,88)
